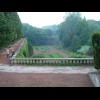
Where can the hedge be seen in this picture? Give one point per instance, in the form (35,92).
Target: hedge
(96,49)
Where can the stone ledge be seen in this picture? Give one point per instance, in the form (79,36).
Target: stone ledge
(95,78)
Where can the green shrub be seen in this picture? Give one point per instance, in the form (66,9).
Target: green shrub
(23,53)
(30,48)
(75,55)
(84,49)
(96,49)
(56,55)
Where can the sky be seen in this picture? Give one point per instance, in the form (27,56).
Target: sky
(40,19)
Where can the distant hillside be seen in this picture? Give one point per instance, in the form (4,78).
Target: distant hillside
(51,27)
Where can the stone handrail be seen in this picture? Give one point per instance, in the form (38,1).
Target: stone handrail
(81,61)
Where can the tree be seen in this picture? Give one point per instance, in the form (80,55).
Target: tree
(66,41)
(30,48)
(69,28)
(10,28)
(76,43)
(53,28)
(38,36)
(83,31)
(96,49)
(74,25)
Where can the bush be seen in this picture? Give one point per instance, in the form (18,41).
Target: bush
(96,49)
(90,51)
(30,48)
(23,53)
(75,55)
(84,49)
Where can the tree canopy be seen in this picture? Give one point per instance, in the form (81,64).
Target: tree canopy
(38,36)
(10,28)
(76,31)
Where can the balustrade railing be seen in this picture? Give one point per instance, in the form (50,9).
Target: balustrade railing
(65,61)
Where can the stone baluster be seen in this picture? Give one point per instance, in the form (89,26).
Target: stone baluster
(14,60)
(82,61)
(11,61)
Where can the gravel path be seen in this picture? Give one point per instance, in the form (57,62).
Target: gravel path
(44,80)
(3,57)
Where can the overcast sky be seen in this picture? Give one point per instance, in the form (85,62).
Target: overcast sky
(40,19)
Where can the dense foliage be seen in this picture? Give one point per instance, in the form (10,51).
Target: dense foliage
(10,28)
(76,31)
(38,36)
(96,49)
(30,48)
(53,28)
(24,51)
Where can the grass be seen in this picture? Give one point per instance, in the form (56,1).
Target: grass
(53,55)
(47,56)
(42,48)
(58,47)
(37,56)
(75,55)
(72,54)
(56,55)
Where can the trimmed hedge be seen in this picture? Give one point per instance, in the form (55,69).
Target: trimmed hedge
(96,49)
(24,53)
(30,48)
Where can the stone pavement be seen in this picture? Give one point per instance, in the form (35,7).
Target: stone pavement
(47,69)
(45,76)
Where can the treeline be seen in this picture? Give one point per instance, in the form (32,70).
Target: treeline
(10,28)
(51,27)
(75,31)
(39,36)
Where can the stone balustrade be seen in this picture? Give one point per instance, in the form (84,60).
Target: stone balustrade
(65,61)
